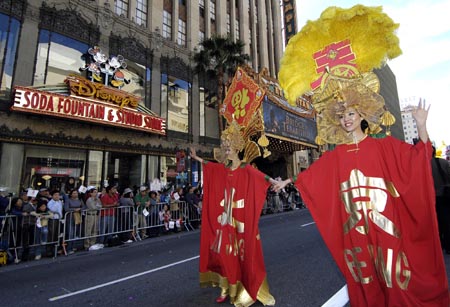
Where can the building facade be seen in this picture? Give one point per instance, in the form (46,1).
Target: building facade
(408,105)
(44,41)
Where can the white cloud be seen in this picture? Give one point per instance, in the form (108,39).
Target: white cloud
(423,70)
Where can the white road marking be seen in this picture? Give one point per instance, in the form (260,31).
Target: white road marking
(56,298)
(304,225)
(339,299)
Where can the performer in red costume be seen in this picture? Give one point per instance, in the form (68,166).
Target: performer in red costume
(373,199)
(231,254)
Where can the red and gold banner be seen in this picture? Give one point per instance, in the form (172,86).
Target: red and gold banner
(243,99)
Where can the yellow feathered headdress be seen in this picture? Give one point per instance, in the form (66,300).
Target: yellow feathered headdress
(336,52)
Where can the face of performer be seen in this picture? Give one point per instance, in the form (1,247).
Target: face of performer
(351,120)
(230,153)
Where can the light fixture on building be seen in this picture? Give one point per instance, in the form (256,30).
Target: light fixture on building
(46,177)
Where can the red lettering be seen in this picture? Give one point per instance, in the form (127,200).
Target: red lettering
(60,106)
(110,115)
(153,123)
(74,107)
(27,99)
(42,102)
(50,104)
(120,116)
(100,112)
(35,100)
(67,106)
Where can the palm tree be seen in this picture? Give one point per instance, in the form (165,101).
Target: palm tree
(219,57)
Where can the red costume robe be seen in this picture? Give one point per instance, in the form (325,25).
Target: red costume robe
(374,205)
(230,248)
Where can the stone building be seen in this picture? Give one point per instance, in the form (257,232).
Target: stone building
(45,41)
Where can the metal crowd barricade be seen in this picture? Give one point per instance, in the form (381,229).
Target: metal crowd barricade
(101,225)
(22,236)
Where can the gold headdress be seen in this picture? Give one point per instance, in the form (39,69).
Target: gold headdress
(237,139)
(332,59)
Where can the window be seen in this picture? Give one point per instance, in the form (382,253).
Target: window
(181,40)
(236,30)
(201,36)
(201,6)
(138,77)
(228,23)
(175,92)
(121,7)
(141,12)
(212,10)
(7,52)
(57,57)
(51,167)
(202,111)
(167,25)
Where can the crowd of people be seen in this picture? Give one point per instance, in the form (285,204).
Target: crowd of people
(65,221)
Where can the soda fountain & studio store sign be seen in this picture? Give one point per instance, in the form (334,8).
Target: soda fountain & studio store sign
(114,112)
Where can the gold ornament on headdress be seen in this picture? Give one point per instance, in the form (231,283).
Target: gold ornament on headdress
(232,139)
(332,59)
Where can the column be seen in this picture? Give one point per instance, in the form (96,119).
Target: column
(262,36)
(175,20)
(278,37)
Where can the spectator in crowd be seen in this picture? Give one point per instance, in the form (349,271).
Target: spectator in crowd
(164,197)
(181,194)
(110,201)
(28,228)
(142,201)
(42,215)
(55,206)
(126,215)
(165,217)
(440,170)
(16,206)
(44,192)
(73,207)
(66,187)
(4,203)
(153,218)
(93,206)
(17,212)
(192,201)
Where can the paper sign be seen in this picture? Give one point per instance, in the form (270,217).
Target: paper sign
(32,193)
(82,189)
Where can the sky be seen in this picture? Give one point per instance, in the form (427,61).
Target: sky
(423,70)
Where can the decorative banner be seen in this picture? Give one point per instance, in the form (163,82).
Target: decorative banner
(29,100)
(279,122)
(338,58)
(290,23)
(243,99)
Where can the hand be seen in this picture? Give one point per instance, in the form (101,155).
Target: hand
(194,156)
(420,114)
(193,153)
(280,185)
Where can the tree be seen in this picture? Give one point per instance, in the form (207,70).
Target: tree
(218,58)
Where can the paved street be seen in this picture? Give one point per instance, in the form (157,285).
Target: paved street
(164,271)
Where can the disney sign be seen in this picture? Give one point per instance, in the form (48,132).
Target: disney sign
(105,70)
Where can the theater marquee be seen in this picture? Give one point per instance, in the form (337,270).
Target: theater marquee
(30,100)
